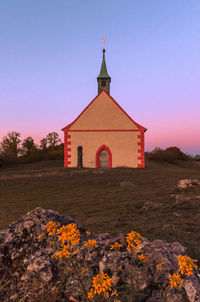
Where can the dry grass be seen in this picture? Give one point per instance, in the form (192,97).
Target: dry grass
(101,204)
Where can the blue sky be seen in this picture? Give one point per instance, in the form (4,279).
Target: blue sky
(51,52)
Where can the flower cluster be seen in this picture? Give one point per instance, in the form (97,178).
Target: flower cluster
(175,280)
(133,239)
(116,246)
(69,234)
(64,253)
(186,265)
(101,284)
(50,227)
(91,243)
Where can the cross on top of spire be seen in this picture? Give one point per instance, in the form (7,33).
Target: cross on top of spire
(104,41)
(103,79)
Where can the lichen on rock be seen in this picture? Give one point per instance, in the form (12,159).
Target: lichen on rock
(31,273)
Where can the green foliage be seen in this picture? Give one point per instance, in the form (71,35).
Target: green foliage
(43,144)
(13,150)
(52,140)
(28,146)
(170,155)
(50,148)
(10,148)
(55,154)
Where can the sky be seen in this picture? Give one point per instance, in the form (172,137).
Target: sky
(51,54)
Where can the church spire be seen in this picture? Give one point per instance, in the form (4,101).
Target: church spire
(103,79)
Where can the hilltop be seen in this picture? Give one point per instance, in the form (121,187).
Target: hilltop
(113,200)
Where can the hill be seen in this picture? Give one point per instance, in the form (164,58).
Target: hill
(113,200)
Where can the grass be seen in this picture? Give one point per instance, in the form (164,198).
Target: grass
(99,202)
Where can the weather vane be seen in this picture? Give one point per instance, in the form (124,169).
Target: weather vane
(104,41)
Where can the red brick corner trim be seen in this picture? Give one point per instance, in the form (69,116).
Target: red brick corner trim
(67,149)
(141,155)
(109,156)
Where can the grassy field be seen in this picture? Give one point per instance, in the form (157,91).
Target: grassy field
(112,201)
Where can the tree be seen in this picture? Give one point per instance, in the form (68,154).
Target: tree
(10,146)
(174,154)
(43,144)
(28,146)
(52,140)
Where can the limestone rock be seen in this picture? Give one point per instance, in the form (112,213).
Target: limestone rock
(188,183)
(32,275)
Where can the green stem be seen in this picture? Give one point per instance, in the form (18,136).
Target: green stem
(79,279)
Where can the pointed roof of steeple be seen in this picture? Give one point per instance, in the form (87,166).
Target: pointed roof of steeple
(103,73)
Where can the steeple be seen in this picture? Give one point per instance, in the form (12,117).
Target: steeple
(103,79)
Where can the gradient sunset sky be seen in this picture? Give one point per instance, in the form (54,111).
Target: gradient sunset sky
(51,53)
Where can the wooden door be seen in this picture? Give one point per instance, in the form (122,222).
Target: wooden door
(103,159)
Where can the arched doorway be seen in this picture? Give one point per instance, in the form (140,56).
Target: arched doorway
(103,157)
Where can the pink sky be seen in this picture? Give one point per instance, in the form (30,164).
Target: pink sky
(49,66)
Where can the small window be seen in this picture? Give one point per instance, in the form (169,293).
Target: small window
(103,83)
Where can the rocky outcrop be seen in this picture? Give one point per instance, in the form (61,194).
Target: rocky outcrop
(28,272)
(185,184)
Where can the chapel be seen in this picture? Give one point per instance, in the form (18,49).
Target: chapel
(104,135)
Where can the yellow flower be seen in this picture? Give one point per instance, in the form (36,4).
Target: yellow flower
(175,280)
(159,267)
(91,294)
(41,236)
(88,233)
(143,258)
(136,249)
(114,293)
(133,239)
(116,246)
(50,227)
(91,243)
(69,234)
(84,269)
(64,253)
(101,284)
(51,243)
(186,265)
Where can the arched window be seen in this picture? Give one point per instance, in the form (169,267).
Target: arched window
(80,157)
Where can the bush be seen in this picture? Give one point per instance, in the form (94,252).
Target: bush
(197,157)
(170,155)
(1,162)
(156,154)
(33,156)
(8,159)
(55,154)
